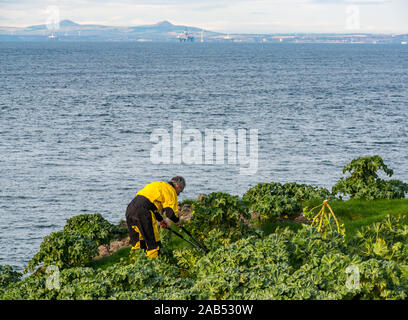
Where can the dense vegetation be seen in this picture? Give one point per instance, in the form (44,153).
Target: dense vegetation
(77,243)
(283,265)
(64,250)
(243,262)
(365,183)
(95,227)
(7,277)
(272,200)
(219,218)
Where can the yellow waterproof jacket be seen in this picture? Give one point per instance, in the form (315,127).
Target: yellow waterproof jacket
(163,196)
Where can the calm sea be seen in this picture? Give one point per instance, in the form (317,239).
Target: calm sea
(76,121)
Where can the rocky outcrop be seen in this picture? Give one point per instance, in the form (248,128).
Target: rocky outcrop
(107,250)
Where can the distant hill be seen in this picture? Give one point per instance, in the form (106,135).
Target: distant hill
(69,30)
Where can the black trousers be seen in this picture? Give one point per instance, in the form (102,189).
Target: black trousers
(142,226)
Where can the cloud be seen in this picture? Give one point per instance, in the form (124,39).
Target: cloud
(357,2)
(263,16)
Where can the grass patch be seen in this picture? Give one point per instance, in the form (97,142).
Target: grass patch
(357,213)
(270,227)
(360,209)
(353,213)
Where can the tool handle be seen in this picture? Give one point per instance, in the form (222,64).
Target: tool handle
(191,236)
(193,244)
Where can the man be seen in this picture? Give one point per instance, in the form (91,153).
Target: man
(142,213)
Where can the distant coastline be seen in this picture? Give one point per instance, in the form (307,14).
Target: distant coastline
(165,31)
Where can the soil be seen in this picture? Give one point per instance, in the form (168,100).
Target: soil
(299,219)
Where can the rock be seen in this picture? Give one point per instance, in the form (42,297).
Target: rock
(302,219)
(107,250)
(116,245)
(103,251)
(201,196)
(185,212)
(255,215)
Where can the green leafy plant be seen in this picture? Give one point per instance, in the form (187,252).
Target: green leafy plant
(95,227)
(219,218)
(286,264)
(188,202)
(273,200)
(7,276)
(365,183)
(187,258)
(293,265)
(387,239)
(311,262)
(64,250)
(32,287)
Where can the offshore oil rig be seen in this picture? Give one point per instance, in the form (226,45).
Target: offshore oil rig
(185,37)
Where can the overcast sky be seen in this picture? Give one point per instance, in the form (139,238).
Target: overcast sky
(250,16)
